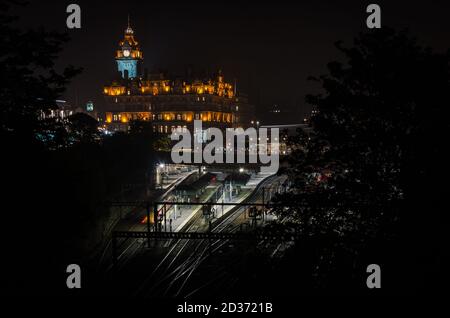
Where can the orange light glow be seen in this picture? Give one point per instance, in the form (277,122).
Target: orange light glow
(158,86)
(114,90)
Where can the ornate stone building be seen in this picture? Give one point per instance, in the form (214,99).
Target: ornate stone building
(170,102)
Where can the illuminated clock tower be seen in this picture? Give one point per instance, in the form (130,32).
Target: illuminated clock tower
(128,55)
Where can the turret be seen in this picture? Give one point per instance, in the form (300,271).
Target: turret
(128,55)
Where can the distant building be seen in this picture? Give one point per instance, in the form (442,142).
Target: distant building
(65,110)
(280,113)
(169,102)
(285,131)
(89,106)
(62,111)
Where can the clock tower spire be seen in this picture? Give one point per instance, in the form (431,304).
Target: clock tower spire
(128,55)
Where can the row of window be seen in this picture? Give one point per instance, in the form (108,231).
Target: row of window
(168,99)
(164,129)
(185,116)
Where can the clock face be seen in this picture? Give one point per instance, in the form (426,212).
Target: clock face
(126,53)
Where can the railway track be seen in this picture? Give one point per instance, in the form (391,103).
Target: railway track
(173,272)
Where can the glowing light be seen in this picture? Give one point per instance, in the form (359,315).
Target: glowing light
(114,90)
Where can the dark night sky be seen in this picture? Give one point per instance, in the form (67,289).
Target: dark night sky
(269,49)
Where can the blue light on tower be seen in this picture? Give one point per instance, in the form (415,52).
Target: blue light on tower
(128,55)
(127,65)
(89,106)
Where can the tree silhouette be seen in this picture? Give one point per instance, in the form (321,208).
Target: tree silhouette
(29,87)
(83,128)
(366,180)
(29,83)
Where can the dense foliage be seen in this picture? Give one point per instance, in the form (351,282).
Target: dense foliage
(368,181)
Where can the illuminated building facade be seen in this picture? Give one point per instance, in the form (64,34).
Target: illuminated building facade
(169,103)
(128,55)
